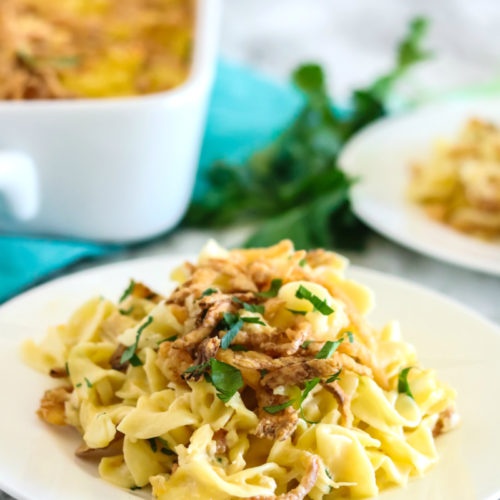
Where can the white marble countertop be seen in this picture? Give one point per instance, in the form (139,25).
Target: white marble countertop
(355,41)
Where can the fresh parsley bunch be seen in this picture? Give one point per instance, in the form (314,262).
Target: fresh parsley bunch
(294,187)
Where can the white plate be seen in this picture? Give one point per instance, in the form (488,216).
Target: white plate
(37,461)
(380,157)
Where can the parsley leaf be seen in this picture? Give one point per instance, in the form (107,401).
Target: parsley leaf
(273,289)
(130,352)
(127,291)
(350,336)
(252,319)
(306,344)
(238,347)
(88,382)
(293,186)
(209,291)
(277,408)
(320,305)
(225,378)
(333,377)
(233,323)
(249,307)
(329,347)
(173,338)
(294,311)
(403,384)
(309,385)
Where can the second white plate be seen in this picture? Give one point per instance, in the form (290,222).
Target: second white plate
(380,157)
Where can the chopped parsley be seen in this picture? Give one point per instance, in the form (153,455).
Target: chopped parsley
(88,382)
(126,312)
(403,384)
(238,347)
(309,385)
(350,336)
(135,487)
(302,262)
(263,372)
(333,377)
(273,289)
(252,319)
(170,339)
(209,291)
(165,447)
(306,344)
(329,347)
(78,385)
(226,379)
(319,305)
(277,408)
(233,323)
(127,291)
(130,352)
(152,443)
(295,311)
(249,307)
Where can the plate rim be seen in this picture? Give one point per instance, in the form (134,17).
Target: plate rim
(346,164)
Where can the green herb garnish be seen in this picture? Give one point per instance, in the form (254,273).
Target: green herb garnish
(309,385)
(126,312)
(78,385)
(135,487)
(350,336)
(66,367)
(209,291)
(225,378)
(277,408)
(294,311)
(302,262)
(238,347)
(252,319)
(319,305)
(87,382)
(273,289)
(127,291)
(170,339)
(233,323)
(403,384)
(130,352)
(306,344)
(263,372)
(294,186)
(152,443)
(249,307)
(329,347)
(333,378)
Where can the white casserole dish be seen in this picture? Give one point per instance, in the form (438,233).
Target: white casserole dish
(112,169)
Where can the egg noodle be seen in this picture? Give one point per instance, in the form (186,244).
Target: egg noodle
(257,377)
(459,184)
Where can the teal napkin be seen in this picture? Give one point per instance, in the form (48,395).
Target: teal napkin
(246,110)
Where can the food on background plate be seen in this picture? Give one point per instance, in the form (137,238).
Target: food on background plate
(257,377)
(93,48)
(459,184)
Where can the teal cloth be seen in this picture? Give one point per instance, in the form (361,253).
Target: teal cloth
(246,110)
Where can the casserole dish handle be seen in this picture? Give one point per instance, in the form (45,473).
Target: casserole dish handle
(19,184)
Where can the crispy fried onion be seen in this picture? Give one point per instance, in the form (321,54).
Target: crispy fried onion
(269,357)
